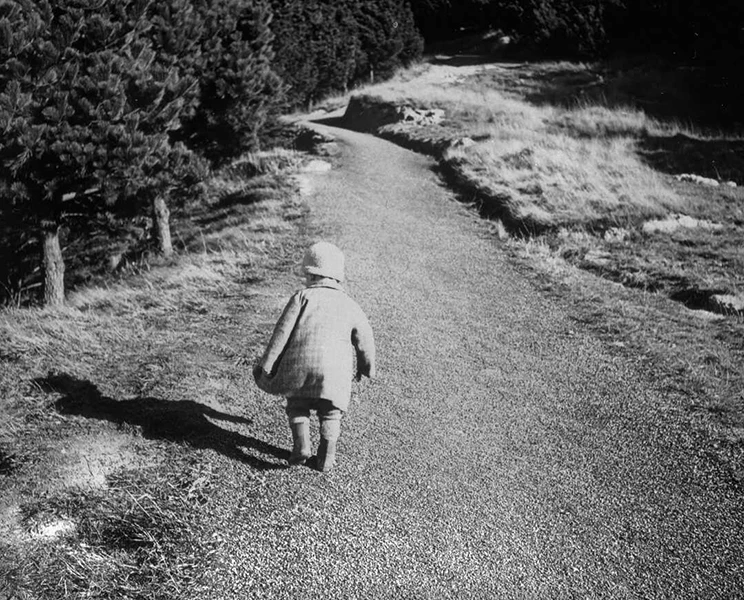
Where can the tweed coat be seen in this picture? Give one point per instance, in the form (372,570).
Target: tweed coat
(321,341)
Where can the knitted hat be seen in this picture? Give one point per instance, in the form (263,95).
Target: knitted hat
(324,259)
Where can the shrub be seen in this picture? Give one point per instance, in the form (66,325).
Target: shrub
(103,103)
(85,111)
(238,89)
(316,45)
(388,38)
(324,47)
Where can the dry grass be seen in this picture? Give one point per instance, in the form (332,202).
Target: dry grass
(554,153)
(136,361)
(550,166)
(602,122)
(134,540)
(559,180)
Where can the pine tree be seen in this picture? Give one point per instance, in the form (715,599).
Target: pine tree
(326,46)
(316,45)
(388,38)
(238,89)
(86,111)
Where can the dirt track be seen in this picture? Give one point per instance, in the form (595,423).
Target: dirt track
(503,452)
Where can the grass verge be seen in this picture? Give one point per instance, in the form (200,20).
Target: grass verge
(111,407)
(133,540)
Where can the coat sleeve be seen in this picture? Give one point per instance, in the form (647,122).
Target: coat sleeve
(364,346)
(282,332)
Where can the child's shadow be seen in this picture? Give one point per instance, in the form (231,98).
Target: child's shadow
(173,420)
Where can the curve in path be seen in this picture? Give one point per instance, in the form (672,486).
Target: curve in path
(503,452)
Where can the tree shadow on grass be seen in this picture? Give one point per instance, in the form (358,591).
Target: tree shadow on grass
(721,159)
(172,420)
(464,60)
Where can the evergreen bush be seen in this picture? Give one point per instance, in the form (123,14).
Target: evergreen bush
(388,38)
(103,103)
(324,46)
(85,115)
(238,89)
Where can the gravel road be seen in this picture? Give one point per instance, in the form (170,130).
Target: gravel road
(502,453)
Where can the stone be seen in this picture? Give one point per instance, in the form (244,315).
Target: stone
(316,166)
(675,222)
(369,113)
(728,303)
(415,116)
(327,149)
(699,179)
(308,139)
(462,143)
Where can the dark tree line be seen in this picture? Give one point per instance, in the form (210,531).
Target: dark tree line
(686,29)
(120,107)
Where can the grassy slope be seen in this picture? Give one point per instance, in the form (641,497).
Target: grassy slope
(106,405)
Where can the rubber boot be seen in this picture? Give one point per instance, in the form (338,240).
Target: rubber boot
(329,433)
(300,443)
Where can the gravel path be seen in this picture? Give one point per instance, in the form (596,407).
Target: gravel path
(503,452)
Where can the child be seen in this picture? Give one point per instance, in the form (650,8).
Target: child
(320,342)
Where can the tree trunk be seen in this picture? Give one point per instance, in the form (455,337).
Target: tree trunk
(54,268)
(161,216)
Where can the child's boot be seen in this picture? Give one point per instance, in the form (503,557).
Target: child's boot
(326,455)
(329,434)
(300,443)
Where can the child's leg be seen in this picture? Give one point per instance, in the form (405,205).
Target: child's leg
(298,412)
(330,430)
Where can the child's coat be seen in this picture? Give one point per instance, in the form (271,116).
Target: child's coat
(314,346)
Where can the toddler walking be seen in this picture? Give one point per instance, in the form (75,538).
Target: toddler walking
(321,341)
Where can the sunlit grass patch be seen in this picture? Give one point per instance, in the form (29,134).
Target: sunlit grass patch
(34,334)
(547,165)
(253,177)
(464,103)
(141,538)
(597,121)
(554,180)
